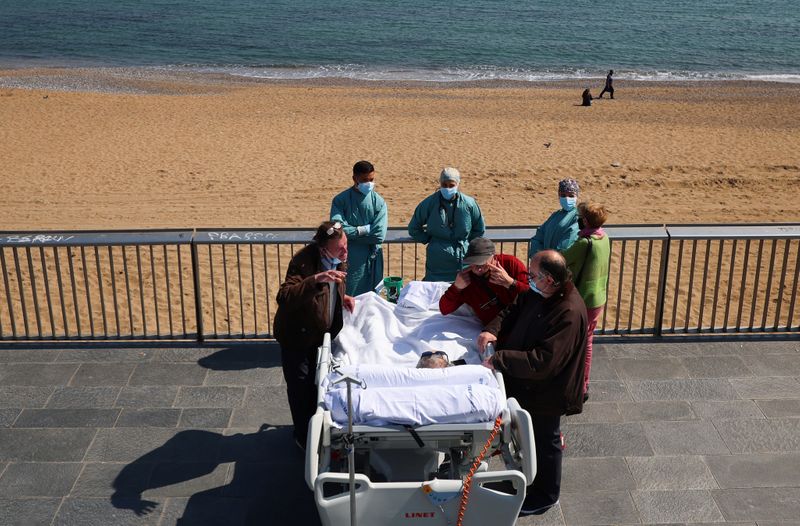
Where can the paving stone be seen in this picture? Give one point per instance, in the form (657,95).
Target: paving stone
(599,508)
(608,391)
(671,473)
(19,397)
(649,368)
(27,355)
(602,367)
(96,374)
(36,374)
(45,445)
(756,471)
(28,512)
(7,417)
(700,389)
(147,396)
(259,376)
(677,506)
(265,395)
(605,440)
(716,367)
(39,479)
(766,387)
(246,445)
(136,417)
(66,397)
(74,417)
(184,355)
(774,364)
(684,438)
(213,509)
(771,435)
(779,408)
(778,504)
(596,412)
(218,396)
(204,417)
(154,444)
(105,355)
(582,475)
(254,417)
(552,517)
(102,479)
(726,409)
(102,512)
(167,374)
(184,479)
(244,356)
(656,410)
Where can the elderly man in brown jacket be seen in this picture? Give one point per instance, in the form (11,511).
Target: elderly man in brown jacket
(541,350)
(310,302)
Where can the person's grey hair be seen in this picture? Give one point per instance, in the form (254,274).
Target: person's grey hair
(433,362)
(450,174)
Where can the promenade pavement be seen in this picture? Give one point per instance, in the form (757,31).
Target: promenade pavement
(676,432)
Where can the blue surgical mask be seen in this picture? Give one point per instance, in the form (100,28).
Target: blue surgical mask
(448,193)
(330,260)
(366,188)
(534,288)
(567,203)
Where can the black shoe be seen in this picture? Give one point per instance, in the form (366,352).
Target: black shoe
(586,396)
(535,507)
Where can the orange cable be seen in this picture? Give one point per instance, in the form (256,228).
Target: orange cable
(462,508)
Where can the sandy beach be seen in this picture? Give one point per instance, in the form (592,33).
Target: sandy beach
(189,152)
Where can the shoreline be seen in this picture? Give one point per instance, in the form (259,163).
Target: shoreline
(147,80)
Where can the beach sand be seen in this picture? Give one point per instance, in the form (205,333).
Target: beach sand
(214,153)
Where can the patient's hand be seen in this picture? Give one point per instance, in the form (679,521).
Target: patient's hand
(462,279)
(483,339)
(349,303)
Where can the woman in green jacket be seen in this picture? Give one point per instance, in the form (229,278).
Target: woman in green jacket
(588,259)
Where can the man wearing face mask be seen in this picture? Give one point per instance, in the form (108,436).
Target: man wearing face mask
(310,302)
(446,221)
(541,352)
(560,230)
(364,217)
(489,284)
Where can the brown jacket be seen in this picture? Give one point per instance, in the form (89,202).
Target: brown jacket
(302,318)
(542,351)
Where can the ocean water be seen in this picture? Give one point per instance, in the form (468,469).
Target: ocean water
(412,39)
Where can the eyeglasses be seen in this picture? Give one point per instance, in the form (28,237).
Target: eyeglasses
(540,276)
(336,226)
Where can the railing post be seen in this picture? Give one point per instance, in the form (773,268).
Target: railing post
(198,303)
(662,285)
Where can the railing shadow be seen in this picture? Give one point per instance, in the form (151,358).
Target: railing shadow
(265,484)
(244,356)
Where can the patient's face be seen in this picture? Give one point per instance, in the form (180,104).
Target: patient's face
(432,362)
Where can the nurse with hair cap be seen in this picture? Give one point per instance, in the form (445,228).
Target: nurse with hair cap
(446,222)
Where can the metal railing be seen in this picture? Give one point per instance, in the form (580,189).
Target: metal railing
(221,284)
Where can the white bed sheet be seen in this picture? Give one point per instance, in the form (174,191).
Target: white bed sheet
(379,332)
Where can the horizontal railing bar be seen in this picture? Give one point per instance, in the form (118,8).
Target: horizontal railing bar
(75,239)
(764,231)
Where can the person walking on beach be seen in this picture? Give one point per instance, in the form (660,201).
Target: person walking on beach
(364,218)
(588,260)
(609,87)
(446,222)
(560,230)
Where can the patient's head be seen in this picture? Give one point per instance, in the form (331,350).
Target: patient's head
(433,360)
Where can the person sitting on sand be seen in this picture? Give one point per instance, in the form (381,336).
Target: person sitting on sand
(586,97)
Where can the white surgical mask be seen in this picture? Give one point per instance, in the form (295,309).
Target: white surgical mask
(567,203)
(366,188)
(448,193)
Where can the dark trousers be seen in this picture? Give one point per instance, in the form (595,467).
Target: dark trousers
(606,90)
(547,484)
(299,369)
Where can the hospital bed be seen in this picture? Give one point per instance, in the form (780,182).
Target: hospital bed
(404,473)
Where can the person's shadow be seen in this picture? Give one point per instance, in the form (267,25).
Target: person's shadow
(264,486)
(267,485)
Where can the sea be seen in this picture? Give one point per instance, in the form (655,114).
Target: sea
(412,40)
